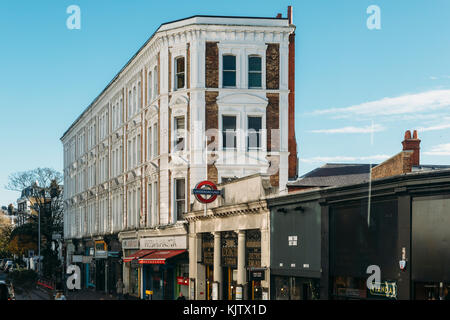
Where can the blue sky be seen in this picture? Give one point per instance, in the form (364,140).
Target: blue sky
(349,79)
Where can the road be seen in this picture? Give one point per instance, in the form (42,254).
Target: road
(29,294)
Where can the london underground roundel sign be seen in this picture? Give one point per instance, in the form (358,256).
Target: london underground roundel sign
(206,192)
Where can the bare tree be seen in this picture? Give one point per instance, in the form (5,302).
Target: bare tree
(42,188)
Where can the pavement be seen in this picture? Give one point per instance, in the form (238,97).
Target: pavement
(89,294)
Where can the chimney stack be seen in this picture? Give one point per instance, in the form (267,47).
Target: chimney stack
(414,145)
(290,15)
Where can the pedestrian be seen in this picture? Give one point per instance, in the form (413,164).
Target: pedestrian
(119,289)
(181,297)
(60,296)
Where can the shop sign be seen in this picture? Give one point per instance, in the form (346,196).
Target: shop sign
(350,292)
(257,275)
(113,254)
(238,293)
(229,248)
(77,258)
(253,248)
(100,246)
(183,281)
(87,259)
(101,254)
(130,244)
(208,249)
(206,192)
(175,242)
(384,289)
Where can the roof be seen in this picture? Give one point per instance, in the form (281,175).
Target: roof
(334,174)
(197,19)
(429,167)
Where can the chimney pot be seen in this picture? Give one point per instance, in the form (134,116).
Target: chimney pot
(414,145)
(279,16)
(407,134)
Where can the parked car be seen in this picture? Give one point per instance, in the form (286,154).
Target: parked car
(8,264)
(6,291)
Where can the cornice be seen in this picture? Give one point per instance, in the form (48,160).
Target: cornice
(257,207)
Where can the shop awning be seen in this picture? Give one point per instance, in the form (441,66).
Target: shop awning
(160,256)
(137,255)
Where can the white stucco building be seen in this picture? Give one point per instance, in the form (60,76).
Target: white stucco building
(132,158)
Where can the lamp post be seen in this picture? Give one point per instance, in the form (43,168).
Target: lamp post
(38,208)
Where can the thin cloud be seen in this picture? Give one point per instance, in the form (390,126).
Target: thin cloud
(439,77)
(439,150)
(442,126)
(335,159)
(367,129)
(429,101)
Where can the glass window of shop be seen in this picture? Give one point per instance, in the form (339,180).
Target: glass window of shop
(182,275)
(430,271)
(134,278)
(358,240)
(253,261)
(208,261)
(229,242)
(295,288)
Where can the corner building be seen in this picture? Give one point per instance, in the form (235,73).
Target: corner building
(205,98)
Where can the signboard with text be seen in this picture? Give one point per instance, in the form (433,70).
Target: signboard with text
(173,242)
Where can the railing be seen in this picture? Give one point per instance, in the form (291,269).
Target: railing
(49,284)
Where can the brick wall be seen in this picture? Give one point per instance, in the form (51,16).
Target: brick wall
(273,66)
(292,143)
(212,122)
(188,67)
(398,164)
(272,121)
(212,65)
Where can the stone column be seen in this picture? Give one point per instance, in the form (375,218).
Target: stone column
(126,277)
(241,278)
(193,243)
(217,262)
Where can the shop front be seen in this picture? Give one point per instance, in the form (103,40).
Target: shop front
(229,245)
(295,246)
(165,269)
(165,274)
(113,263)
(130,266)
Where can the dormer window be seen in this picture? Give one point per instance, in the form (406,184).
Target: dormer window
(254,72)
(229,71)
(179,73)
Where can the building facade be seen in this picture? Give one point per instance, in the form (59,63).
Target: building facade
(205,98)
(229,242)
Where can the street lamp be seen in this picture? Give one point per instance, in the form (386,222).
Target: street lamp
(36,206)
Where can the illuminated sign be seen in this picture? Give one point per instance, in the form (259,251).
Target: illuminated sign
(384,289)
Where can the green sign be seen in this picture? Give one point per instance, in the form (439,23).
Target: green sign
(384,289)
